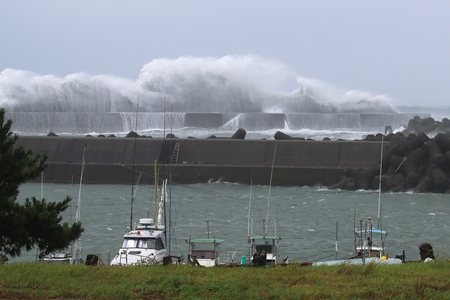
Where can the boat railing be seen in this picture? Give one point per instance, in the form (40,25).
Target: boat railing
(231,256)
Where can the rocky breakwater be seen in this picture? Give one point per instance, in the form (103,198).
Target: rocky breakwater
(411,161)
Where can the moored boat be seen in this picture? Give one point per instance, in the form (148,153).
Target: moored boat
(204,252)
(57,258)
(264,250)
(369,242)
(144,245)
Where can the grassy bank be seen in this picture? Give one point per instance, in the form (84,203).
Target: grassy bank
(406,281)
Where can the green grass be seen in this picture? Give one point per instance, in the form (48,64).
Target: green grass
(406,281)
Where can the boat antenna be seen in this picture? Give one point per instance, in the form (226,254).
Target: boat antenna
(381,172)
(134,166)
(77,214)
(42,185)
(336,244)
(249,208)
(164,119)
(170,182)
(275,225)
(156,191)
(165,174)
(382,237)
(354,225)
(270,186)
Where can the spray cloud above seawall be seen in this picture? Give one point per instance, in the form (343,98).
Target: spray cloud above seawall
(238,84)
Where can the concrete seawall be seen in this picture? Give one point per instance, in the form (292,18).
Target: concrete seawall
(110,160)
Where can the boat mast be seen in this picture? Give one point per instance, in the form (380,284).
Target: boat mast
(77,246)
(249,210)
(354,226)
(161,209)
(270,186)
(42,185)
(156,192)
(134,166)
(170,181)
(381,169)
(165,174)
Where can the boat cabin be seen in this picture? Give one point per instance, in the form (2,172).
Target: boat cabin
(264,250)
(369,241)
(204,252)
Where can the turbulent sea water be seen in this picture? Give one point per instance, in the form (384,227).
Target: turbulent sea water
(305,217)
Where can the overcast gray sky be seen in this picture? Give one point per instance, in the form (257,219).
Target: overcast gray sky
(397,48)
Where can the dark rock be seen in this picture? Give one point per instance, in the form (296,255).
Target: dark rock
(341,184)
(395,182)
(282,136)
(239,134)
(360,180)
(434,153)
(132,134)
(443,141)
(397,149)
(424,186)
(441,182)
(411,180)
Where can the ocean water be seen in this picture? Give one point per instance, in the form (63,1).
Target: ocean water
(304,217)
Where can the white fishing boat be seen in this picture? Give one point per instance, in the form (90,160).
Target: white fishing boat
(369,247)
(263,249)
(369,242)
(204,252)
(57,258)
(66,257)
(145,244)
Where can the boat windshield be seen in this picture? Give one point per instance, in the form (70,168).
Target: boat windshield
(143,243)
(203,254)
(265,248)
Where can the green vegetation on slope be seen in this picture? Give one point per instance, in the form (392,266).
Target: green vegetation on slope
(406,281)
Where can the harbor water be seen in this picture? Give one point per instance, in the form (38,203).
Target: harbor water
(304,217)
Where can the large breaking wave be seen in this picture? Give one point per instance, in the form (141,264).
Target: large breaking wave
(235,84)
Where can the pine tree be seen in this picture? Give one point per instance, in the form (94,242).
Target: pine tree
(35,223)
